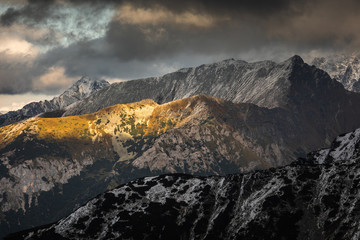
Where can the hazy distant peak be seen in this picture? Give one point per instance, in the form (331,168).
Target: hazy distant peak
(82,88)
(343,68)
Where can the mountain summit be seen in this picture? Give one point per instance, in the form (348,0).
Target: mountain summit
(82,88)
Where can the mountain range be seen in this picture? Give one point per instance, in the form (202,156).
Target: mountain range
(233,80)
(248,116)
(313,198)
(266,84)
(84,87)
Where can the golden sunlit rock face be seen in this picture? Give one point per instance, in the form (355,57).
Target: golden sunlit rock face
(114,125)
(123,121)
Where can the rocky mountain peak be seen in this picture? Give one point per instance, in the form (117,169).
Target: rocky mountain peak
(84,87)
(296,59)
(86,80)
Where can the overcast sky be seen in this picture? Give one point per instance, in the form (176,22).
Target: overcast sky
(46,45)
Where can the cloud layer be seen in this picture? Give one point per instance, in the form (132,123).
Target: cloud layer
(51,43)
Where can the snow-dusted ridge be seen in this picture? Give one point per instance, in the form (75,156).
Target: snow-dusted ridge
(263,83)
(312,199)
(293,202)
(82,88)
(345,148)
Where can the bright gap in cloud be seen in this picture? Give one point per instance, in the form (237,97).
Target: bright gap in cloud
(11,102)
(13,45)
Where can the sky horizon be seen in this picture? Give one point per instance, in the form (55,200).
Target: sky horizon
(46,45)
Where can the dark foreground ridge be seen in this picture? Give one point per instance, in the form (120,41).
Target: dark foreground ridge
(315,198)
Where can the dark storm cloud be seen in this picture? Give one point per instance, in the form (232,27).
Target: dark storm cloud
(34,10)
(153,42)
(301,23)
(124,44)
(38,10)
(226,7)
(144,33)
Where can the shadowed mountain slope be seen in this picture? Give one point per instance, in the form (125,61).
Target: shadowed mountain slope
(305,200)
